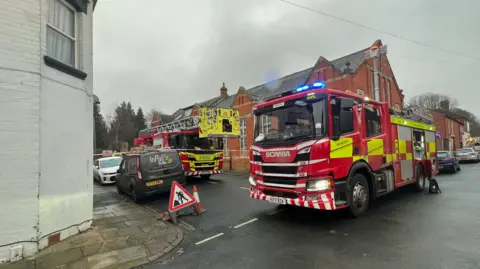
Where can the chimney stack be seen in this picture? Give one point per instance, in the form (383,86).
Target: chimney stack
(445,105)
(223,91)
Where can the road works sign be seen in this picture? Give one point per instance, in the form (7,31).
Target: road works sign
(179,198)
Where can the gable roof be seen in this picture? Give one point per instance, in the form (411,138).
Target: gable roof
(451,115)
(289,82)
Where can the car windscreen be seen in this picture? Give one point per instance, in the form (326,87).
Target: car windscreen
(159,160)
(113,162)
(442,155)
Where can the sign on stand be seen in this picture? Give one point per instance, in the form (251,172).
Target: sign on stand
(180,198)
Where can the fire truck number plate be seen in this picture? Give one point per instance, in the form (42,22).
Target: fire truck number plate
(277,200)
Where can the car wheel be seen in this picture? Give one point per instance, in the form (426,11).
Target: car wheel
(119,189)
(420,179)
(135,197)
(358,195)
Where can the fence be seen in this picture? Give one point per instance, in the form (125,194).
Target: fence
(236,160)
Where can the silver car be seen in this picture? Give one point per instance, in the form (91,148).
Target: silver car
(467,155)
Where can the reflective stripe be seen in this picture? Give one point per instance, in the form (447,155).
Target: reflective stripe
(402,146)
(341,148)
(411,123)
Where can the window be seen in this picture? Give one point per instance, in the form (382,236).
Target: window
(266,124)
(243,136)
(373,83)
(372,118)
(342,119)
(61,32)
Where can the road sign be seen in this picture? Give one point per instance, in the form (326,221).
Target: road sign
(179,198)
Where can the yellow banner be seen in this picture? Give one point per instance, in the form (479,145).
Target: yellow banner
(219,122)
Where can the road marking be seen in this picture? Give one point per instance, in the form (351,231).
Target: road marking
(208,239)
(245,223)
(277,211)
(211,182)
(245,188)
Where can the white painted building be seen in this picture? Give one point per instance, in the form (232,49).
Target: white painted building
(46,123)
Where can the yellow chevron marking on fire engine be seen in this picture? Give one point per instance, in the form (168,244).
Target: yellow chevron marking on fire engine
(402,146)
(341,148)
(411,123)
(409,156)
(432,147)
(375,147)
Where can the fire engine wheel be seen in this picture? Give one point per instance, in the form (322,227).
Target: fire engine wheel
(420,183)
(358,195)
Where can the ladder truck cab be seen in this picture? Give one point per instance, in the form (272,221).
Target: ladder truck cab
(328,149)
(198,139)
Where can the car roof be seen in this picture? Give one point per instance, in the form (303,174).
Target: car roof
(465,148)
(109,158)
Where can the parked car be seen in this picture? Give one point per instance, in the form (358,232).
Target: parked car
(105,169)
(448,161)
(143,174)
(467,155)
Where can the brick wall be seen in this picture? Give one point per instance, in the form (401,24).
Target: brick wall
(446,127)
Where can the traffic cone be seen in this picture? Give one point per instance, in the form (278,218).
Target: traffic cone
(199,207)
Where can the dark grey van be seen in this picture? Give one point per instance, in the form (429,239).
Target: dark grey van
(147,173)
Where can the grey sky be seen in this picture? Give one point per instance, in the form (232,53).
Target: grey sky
(166,54)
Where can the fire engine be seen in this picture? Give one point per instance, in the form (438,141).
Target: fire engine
(198,139)
(327,149)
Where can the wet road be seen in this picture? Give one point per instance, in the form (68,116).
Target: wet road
(402,230)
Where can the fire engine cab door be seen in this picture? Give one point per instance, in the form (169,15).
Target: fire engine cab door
(374,142)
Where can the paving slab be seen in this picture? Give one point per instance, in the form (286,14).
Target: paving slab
(123,236)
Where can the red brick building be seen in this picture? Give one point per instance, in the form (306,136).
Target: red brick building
(350,72)
(450,129)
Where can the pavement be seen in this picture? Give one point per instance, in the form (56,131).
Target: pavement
(123,235)
(402,230)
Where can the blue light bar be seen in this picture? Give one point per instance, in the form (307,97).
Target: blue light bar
(317,85)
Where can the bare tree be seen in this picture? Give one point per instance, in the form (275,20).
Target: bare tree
(434,101)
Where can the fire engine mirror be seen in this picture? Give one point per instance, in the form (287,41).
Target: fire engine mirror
(346,103)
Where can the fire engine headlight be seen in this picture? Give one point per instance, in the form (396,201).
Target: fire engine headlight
(252,181)
(191,158)
(305,150)
(318,185)
(256,153)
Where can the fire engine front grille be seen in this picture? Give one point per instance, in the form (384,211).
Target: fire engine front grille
(203,168)
(281,194)
(280,169)
(204,163)
(279,180)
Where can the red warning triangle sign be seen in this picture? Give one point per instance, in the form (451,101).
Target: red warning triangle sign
(179,198)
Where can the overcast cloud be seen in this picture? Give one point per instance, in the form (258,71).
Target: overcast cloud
(167,54)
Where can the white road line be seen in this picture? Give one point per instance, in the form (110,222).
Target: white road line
(211,182)
(245,223)
(277,211)
(208,239)
(245,188)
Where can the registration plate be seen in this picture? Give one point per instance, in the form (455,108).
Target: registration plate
(155,182)
(277,200)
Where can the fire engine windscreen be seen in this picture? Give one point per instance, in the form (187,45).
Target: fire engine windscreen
(290,122)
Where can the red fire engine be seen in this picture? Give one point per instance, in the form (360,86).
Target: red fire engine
(329,149)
